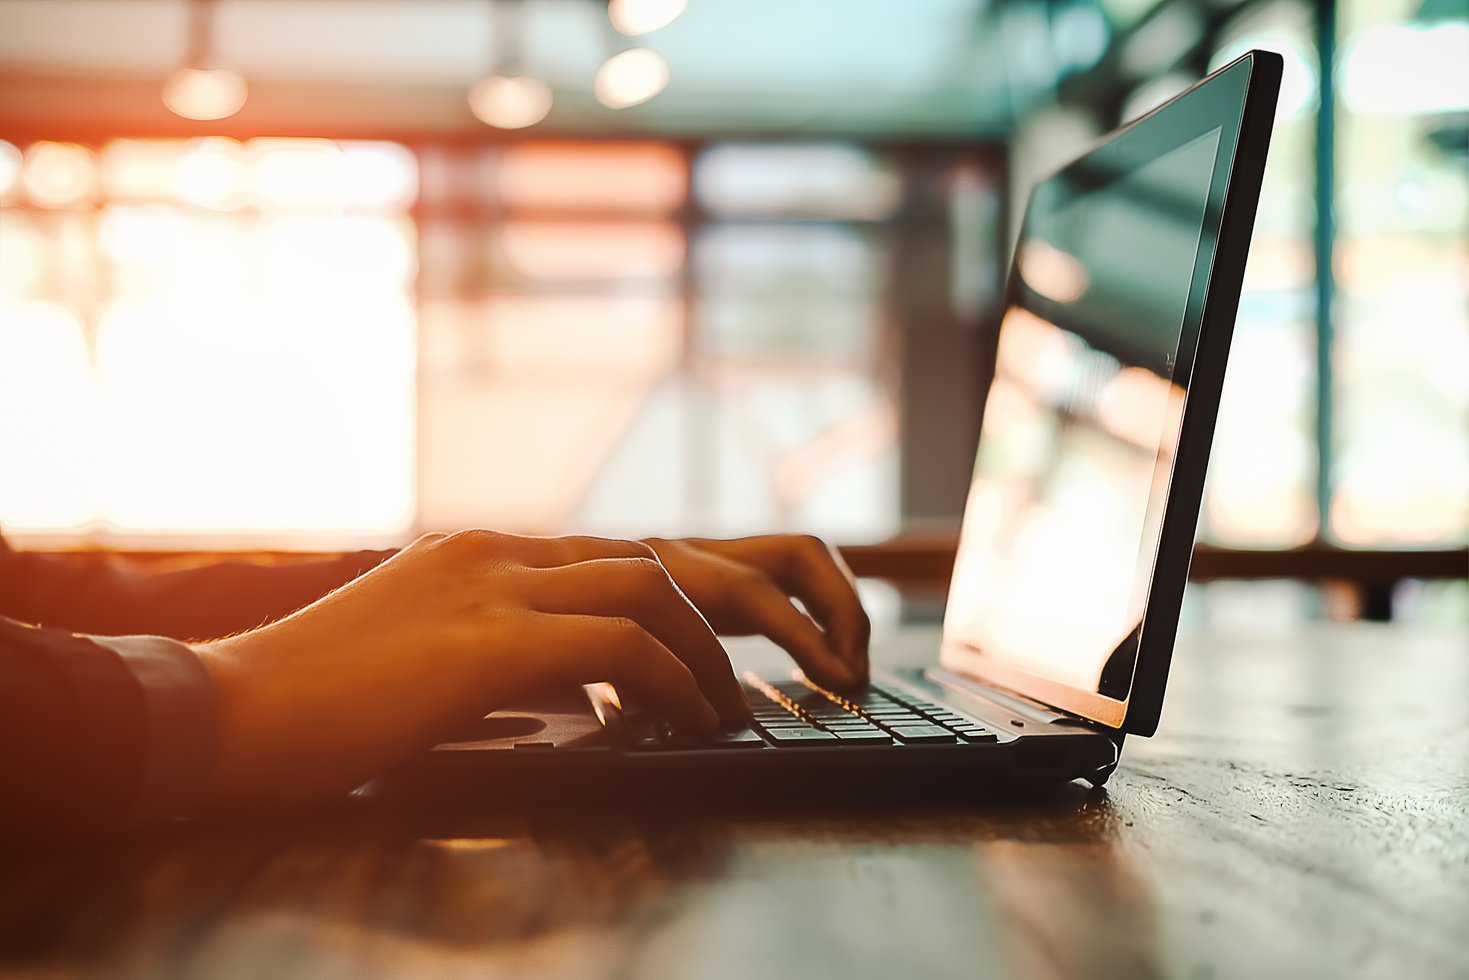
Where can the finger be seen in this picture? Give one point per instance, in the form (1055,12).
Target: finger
(641,589)
(593,649)
(763,608)
(810,571)
(536,552)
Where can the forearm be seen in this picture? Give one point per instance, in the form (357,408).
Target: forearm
(109,595)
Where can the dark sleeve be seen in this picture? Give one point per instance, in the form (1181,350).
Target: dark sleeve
(96,592)
(100,733)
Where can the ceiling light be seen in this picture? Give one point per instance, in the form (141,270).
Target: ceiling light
(204,93)
(630,78)
(508,97)
(510,101)
(201,89)
(635,17)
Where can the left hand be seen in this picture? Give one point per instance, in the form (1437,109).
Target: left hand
(745,586)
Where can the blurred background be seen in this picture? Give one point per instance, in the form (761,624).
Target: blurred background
(317,274)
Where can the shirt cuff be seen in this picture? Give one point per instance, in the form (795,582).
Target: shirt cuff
(182,710)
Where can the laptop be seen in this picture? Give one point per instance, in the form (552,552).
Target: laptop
(1079,524)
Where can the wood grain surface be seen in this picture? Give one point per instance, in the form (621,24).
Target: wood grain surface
(1302,812)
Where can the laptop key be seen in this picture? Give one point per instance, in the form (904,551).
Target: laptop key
(867,737)
(923,734)
(834,714)
(801,736)
(978,735)
(907,718)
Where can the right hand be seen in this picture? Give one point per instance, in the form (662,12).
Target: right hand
(450,629)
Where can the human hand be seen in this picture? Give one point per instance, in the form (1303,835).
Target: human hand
(745,586)
(450,629)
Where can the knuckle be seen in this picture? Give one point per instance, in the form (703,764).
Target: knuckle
(473,539)
(639,549)
(647,570)
(811,543)
(611,547)
(625,629)
(633,637)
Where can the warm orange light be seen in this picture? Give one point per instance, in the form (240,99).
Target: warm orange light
(23,255)
(1141,407)
(204,93)
(630,78)
(213,173)
(628,337)
(602,251)
(297,173)
(1055,274)
(10,161)
(1036,351)
(47,422)
(135,170)
(59,174)
(268,324)
(510,101)
(621,177)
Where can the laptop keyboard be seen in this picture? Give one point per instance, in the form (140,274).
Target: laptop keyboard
(800,713)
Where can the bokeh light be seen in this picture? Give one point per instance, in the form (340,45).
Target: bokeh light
(213,173)
(510,101)
(1407,68)
(296,173)
(57,175)
(10,163)
(635,17)
(204,93)
(624,177)
(630,78)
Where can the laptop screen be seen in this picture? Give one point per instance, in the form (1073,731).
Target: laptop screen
(1083,416)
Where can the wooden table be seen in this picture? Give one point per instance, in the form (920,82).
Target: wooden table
(1303,811)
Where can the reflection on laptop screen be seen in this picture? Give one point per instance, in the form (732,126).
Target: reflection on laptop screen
(1081,422)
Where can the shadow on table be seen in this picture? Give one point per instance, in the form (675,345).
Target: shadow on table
(1026,878)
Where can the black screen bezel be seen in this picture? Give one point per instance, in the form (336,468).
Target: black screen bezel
(1239,100)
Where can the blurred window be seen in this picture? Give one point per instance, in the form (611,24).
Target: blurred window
(790,330)
(794,180)
(658,337)
(1396,464)
(1401,354)
(1262,471)
(308,342)
(187,332)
